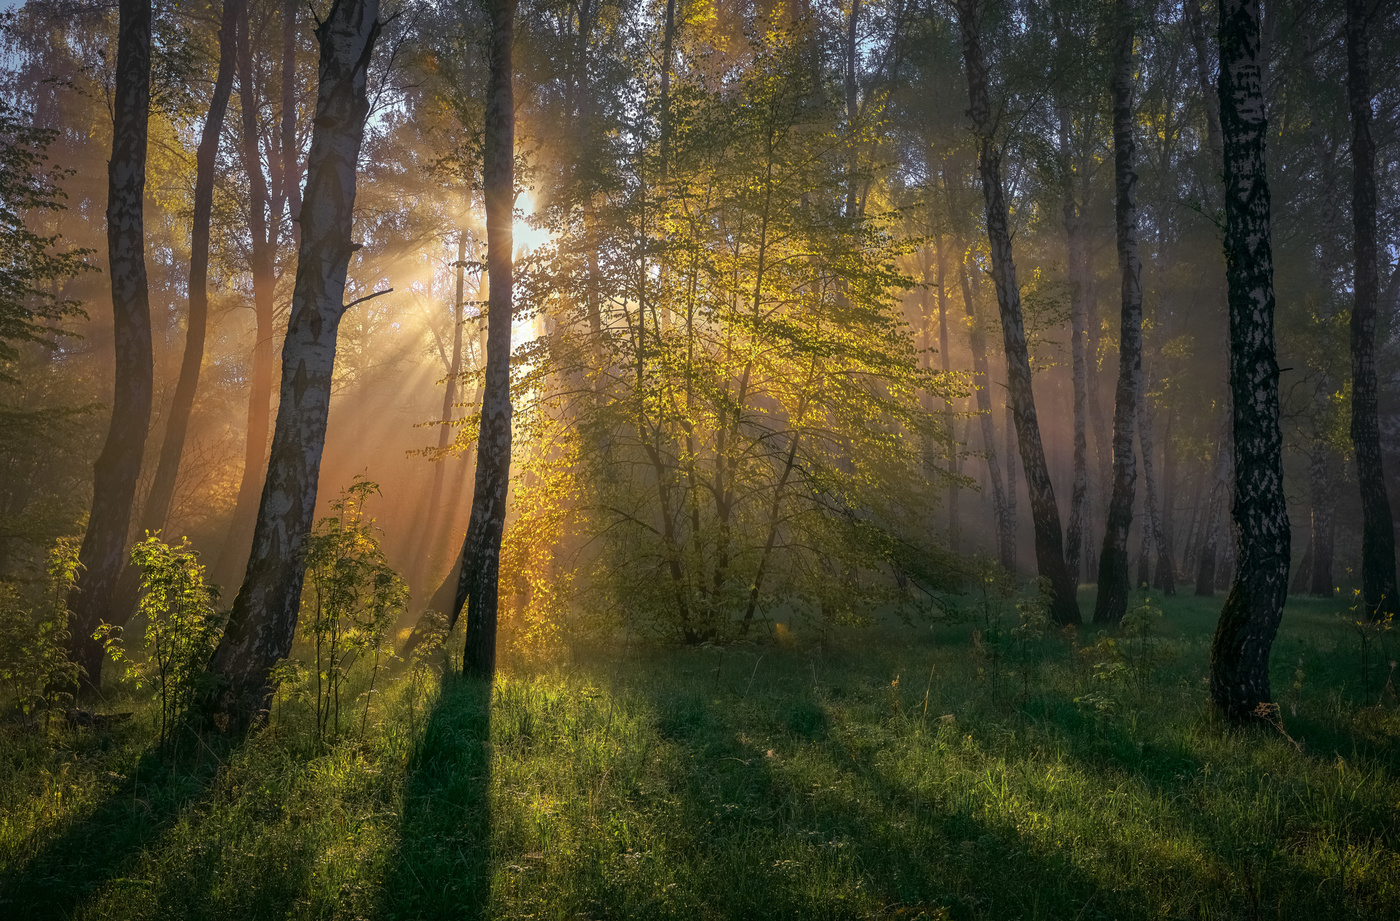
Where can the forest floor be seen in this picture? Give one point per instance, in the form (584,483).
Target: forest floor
(965,770)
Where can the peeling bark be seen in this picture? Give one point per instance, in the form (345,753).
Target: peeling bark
(103,552)
(264,617)
(1244,635)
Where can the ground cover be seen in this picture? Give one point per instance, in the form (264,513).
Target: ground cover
(969,769)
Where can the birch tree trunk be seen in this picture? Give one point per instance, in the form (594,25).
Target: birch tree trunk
(264,617)
(103,552)
(1239,661)
(1049,538)
(480,563)
(1378,585)
(1114,584)
(158,502)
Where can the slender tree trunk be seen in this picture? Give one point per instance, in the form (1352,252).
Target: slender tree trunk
(1114,586)
(1378,584)
(981,370)
(264,617)
(1239,661)
(158,502)
(291,151)
(477,584)
(262,227)
(1049,538)
(103,552)
(1076,535)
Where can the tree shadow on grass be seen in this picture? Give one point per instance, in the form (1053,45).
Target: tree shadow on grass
(103,845)
(442,866)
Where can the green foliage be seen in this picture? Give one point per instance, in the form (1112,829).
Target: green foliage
(793,782)
(32,265)
(34,664)
(1375,647)
(182,627)
(351,599)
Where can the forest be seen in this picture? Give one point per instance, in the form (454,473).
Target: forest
(521,459)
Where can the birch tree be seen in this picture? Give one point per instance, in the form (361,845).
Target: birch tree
(264,617)
(1239,658)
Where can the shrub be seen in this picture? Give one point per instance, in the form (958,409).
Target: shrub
(182,629)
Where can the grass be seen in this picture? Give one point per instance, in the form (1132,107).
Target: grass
(960,771)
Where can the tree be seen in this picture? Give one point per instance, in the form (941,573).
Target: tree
(1378,585)
(1049,539)
(157,507)
(477,582)
(270,195)
(263,621)
(103,553)
(1239,658)
(1114,582)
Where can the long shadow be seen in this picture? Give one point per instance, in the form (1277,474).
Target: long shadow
(104,844)
(763,825)
(442,867)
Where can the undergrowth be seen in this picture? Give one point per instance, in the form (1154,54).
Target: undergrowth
(883,774)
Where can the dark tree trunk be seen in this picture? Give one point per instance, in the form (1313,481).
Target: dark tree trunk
(1114,583)
(1076,535)
(1049,538)
(262,228)
(477,586)
(1378,586)
(103,552)
(981,371)
(1239,660)
(158,502)
(264,617)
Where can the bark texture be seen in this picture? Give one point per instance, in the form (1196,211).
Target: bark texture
(1114,582)
(264,617)
(480,564)
(1049,538)
(1378,588)
(103,552)
(162,494)
(1244,635)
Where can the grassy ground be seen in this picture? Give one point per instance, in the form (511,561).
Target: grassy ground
(961,771)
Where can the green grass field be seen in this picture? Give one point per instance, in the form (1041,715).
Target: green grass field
(965,770)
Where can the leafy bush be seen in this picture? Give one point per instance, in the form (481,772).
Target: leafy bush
(351,599)
(182,629)
(34,662)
